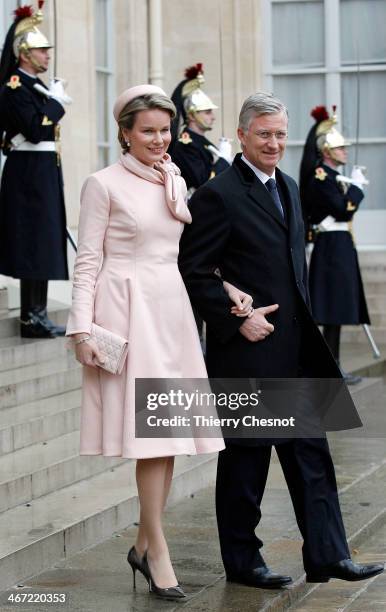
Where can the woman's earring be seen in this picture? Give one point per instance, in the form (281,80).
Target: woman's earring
(127,143)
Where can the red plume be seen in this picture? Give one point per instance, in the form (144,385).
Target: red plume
(22,12)
(40,4)
(193,71)
(319,113)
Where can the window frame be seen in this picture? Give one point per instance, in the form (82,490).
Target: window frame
(108,71)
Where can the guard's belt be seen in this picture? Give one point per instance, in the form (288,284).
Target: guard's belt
(44,145)
(330,225)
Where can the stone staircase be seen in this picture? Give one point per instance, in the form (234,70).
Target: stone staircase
(53,502)
(373,268)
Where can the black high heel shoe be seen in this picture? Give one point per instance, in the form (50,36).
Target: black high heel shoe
(174,592)
(136,564)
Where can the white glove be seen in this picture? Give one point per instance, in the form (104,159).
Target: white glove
(57,92)
(216,153)
(358,178)
(225,148)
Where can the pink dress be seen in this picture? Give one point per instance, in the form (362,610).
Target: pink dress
(126,279)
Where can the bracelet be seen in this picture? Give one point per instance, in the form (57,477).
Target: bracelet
(85,339)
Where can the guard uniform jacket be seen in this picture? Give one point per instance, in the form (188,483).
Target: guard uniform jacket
(191,154)
(336,287)
(32,212)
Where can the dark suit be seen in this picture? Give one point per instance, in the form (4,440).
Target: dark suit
(237,229)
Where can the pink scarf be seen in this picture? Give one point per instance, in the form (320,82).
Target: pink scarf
(165,173)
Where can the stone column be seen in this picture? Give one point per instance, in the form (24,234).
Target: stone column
(155,42)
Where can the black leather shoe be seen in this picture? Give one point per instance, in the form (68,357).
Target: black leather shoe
(34,327)
(346,570)
(261,578)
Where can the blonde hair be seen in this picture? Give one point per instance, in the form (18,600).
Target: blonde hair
(129,112)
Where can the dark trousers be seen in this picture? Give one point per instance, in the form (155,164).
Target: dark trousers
(33,297)
(309,472)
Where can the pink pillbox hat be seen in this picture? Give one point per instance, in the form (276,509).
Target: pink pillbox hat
(134,92)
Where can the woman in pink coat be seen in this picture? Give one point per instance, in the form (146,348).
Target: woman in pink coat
(126,280)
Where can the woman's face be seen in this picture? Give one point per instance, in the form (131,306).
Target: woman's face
(150,135)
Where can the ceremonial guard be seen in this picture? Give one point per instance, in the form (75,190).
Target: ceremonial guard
(32,211)
(198,159)
(329,202)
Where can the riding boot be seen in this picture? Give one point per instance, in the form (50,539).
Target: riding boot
(331,335)
(42,289)
(31,324)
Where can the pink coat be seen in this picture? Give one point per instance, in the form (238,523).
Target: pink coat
(126,279)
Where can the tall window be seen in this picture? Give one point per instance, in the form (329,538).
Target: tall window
(6,17)
(104,44)
(331,52)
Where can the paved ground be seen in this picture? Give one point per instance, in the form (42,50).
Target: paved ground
(99,579)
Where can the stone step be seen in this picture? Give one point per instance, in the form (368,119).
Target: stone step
(358,358)
(9,319)
(355,334)
(37,470)
(16,352)
(366,390)
(99,578)
(34,537)
(378,318)
(372,257)
(375,287)
(374,275)
(360,596)
(34,382)
(3,299)
(27,424)
(376,302)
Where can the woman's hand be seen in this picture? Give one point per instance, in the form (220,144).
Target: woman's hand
(243,301)
(87,352)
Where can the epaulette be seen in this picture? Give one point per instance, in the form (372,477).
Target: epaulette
(185,138)
(14,81)
(320,174)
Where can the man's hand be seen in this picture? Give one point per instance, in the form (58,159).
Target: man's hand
(257,327)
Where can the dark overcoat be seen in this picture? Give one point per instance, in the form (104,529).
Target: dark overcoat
(191,154)
(237,229)
(336,287)
(32,212)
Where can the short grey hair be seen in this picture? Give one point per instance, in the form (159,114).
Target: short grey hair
(259,103)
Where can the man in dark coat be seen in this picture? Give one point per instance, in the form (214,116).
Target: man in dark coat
(330,201)
(32,211)
(247,223)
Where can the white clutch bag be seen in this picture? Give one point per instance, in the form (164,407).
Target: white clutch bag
(112,347)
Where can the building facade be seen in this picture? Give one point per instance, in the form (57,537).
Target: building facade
(308,52)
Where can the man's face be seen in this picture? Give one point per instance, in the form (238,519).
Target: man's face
(264,142)
(338,155)
(36,60)
(203,119)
